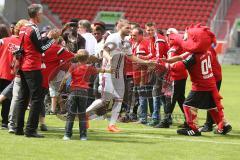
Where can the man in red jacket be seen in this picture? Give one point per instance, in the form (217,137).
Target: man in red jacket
(178,76)
(157,49)
(30,72)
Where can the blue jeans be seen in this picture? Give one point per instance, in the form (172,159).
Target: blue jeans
(143,109)
(156,108)
(77,103)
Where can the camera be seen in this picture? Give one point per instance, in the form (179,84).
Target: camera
(18,53)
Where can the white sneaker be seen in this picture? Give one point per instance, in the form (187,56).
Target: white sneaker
(83,138)
(11,130)
(66,138)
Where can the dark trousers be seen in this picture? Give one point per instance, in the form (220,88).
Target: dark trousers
(77,104)
(128,94)
(43,107)
(30,87)
(150,105)
(178,95)
(209,120)
(6,103)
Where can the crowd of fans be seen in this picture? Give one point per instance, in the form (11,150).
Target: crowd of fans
(127,71)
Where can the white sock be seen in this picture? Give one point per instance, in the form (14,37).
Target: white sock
(115,111)
(95,105)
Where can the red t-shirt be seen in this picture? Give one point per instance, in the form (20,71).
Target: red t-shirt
(177,73)
(7,47)
(128,70)
(54,58)
(157,48)
(81,74)
(140,72)
(200,71)
(217,69)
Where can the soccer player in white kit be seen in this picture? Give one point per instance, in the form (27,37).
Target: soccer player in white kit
(116,47)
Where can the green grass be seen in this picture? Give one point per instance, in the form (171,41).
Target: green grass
(136,142)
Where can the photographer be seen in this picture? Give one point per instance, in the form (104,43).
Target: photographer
(73,40)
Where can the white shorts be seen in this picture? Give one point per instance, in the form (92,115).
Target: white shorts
(112,88)
(55,83)
(53,89)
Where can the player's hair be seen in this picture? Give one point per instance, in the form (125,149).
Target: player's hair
(150,24)
(13,23)
(135,25)
(76,20)
(33,9)
(83,55)
(4,31)
(140,30)
(85,24)
(99,28)
(122,22)
(19,25)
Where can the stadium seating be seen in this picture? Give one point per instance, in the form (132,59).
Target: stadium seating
(177,13)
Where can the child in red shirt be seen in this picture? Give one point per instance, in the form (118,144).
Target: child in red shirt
(78,98)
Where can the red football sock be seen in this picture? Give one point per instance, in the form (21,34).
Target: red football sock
(191,117)
(215,115)
(217,99)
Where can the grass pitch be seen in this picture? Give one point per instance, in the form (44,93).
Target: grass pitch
(136,142)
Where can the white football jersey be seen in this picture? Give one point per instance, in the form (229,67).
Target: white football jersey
(119,48)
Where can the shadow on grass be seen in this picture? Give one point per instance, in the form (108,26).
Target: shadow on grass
(97,136)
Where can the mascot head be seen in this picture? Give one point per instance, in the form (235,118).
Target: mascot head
(197,39)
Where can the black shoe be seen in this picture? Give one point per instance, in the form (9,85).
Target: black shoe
(19,132)
(206,128)
(153,123)
(226,129)
(43,127)
(188,132)
(162,124)
(63,112)
(34,135)
(140,122)
(184,125)
(133,117)
(4,126)
(124,119)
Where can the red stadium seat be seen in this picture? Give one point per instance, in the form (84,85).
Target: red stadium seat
(164,12)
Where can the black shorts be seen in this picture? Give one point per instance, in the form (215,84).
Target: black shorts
(200,100)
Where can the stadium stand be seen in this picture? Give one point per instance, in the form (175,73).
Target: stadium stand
(167,13)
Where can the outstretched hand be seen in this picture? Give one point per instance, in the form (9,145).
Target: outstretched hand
(151,64)
(54,33)
(163,60)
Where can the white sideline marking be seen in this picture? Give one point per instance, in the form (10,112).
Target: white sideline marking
(158,137)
